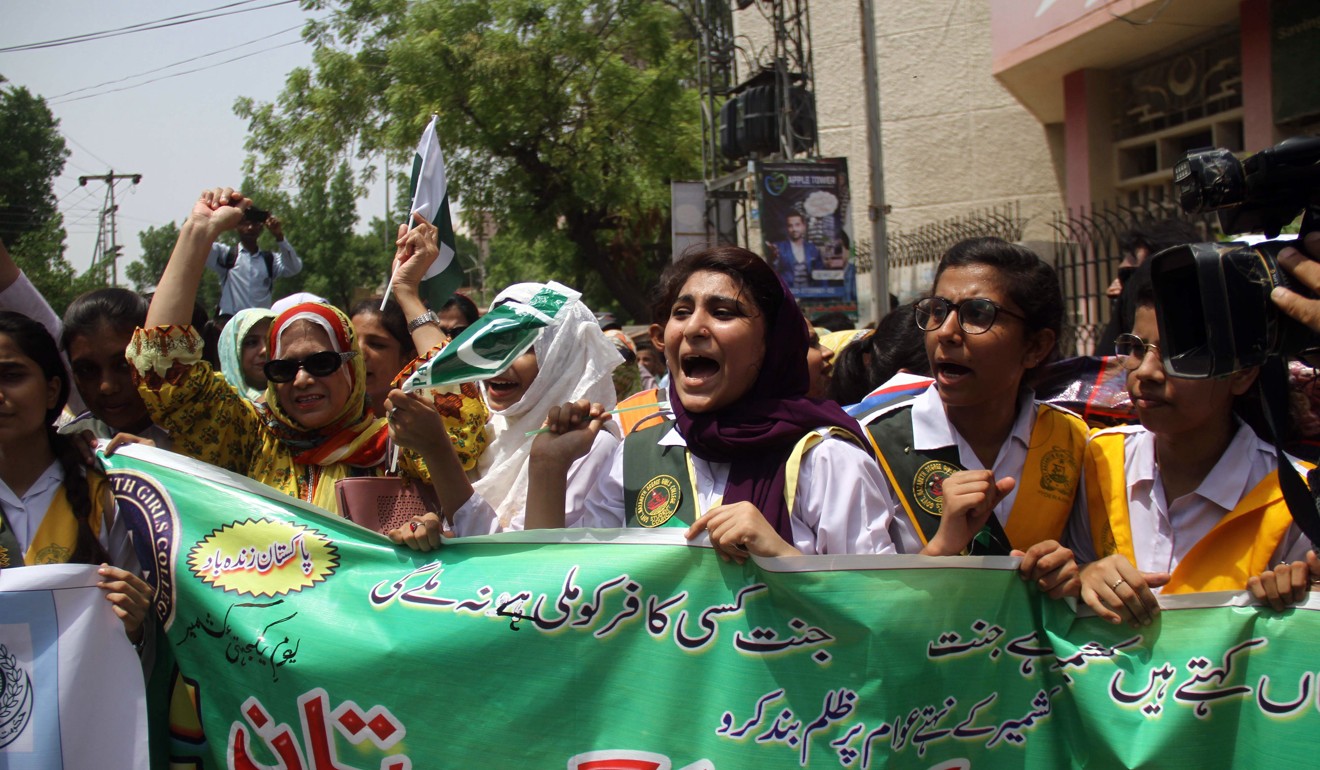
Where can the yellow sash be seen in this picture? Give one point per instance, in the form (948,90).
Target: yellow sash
(57,535)
(794,463)
(1239,546)
(1045,488)
(1048,484)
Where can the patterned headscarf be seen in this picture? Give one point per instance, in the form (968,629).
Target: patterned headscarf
(231,348)
(355,437)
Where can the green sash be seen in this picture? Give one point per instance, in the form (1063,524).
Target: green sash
(11,555)
(657,483)
(918,476)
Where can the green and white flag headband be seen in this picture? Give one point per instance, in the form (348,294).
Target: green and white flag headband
(490,345)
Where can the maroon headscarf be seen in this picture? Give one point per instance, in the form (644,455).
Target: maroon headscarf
(757,433)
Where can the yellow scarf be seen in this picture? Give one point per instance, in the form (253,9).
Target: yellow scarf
(57,535)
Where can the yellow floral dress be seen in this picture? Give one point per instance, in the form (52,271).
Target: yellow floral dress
(208,420)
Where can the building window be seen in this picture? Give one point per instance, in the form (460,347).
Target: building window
(1179,102)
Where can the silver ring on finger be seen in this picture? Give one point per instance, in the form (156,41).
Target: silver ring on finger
(1116,584)
(390,414)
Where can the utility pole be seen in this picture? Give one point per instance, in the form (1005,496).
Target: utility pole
(878,210)
(111,251)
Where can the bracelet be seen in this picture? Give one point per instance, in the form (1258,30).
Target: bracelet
(429,317)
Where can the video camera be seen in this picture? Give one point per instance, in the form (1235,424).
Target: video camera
(1224,320)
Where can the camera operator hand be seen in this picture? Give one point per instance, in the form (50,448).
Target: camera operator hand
(1307,272)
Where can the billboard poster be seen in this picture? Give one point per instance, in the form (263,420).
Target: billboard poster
(806,230)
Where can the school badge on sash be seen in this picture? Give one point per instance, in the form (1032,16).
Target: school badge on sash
(658,501)
(1058,474)
(928,485)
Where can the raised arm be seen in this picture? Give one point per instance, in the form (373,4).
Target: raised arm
(572,429)
(214,212)
(415,251)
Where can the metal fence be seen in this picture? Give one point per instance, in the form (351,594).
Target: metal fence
(913,254)
(1087,254)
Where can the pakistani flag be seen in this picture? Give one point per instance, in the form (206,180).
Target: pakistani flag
(430,196)
(489,346)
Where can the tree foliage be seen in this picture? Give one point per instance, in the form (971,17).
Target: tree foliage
(564,118)
(33,154)
(156,243)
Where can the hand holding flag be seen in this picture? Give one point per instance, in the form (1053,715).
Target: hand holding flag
(415,253)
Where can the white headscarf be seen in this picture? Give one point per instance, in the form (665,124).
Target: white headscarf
(575,360)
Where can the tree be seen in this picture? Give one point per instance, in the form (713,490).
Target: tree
(563,118)
(33,155)
(157,243)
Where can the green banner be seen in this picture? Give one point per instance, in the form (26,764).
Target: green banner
(316,644)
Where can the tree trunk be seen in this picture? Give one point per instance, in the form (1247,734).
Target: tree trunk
(583,232)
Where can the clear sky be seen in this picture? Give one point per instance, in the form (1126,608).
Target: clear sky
(179,133)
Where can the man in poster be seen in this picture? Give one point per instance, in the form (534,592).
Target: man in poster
(796,257)
(804,207)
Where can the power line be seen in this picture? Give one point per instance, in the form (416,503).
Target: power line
(173,75)
(175,64)
(131,27)
(146,26)
(84,149)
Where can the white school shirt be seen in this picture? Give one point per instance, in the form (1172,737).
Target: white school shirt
(838,508)
(25,513)
(478,517)
(1163,532)
(248,284)
(931,429)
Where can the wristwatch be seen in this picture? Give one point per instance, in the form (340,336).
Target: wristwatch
(429,317)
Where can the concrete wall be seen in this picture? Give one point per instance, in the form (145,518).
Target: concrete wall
(954,139)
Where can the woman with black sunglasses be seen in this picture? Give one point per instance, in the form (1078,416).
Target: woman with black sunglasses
(974,464)
(315,425)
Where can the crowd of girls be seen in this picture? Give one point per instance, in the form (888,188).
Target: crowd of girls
(944,451)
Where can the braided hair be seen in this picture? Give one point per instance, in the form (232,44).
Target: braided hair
(36,343)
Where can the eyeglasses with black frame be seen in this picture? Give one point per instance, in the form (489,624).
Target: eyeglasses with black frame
(322,364)
(975,316)
(1131,350)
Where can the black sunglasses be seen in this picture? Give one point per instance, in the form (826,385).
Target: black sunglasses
(321,364)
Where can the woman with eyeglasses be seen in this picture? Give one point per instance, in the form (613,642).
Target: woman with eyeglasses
(315,425)
(974,464)
(1189,500)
